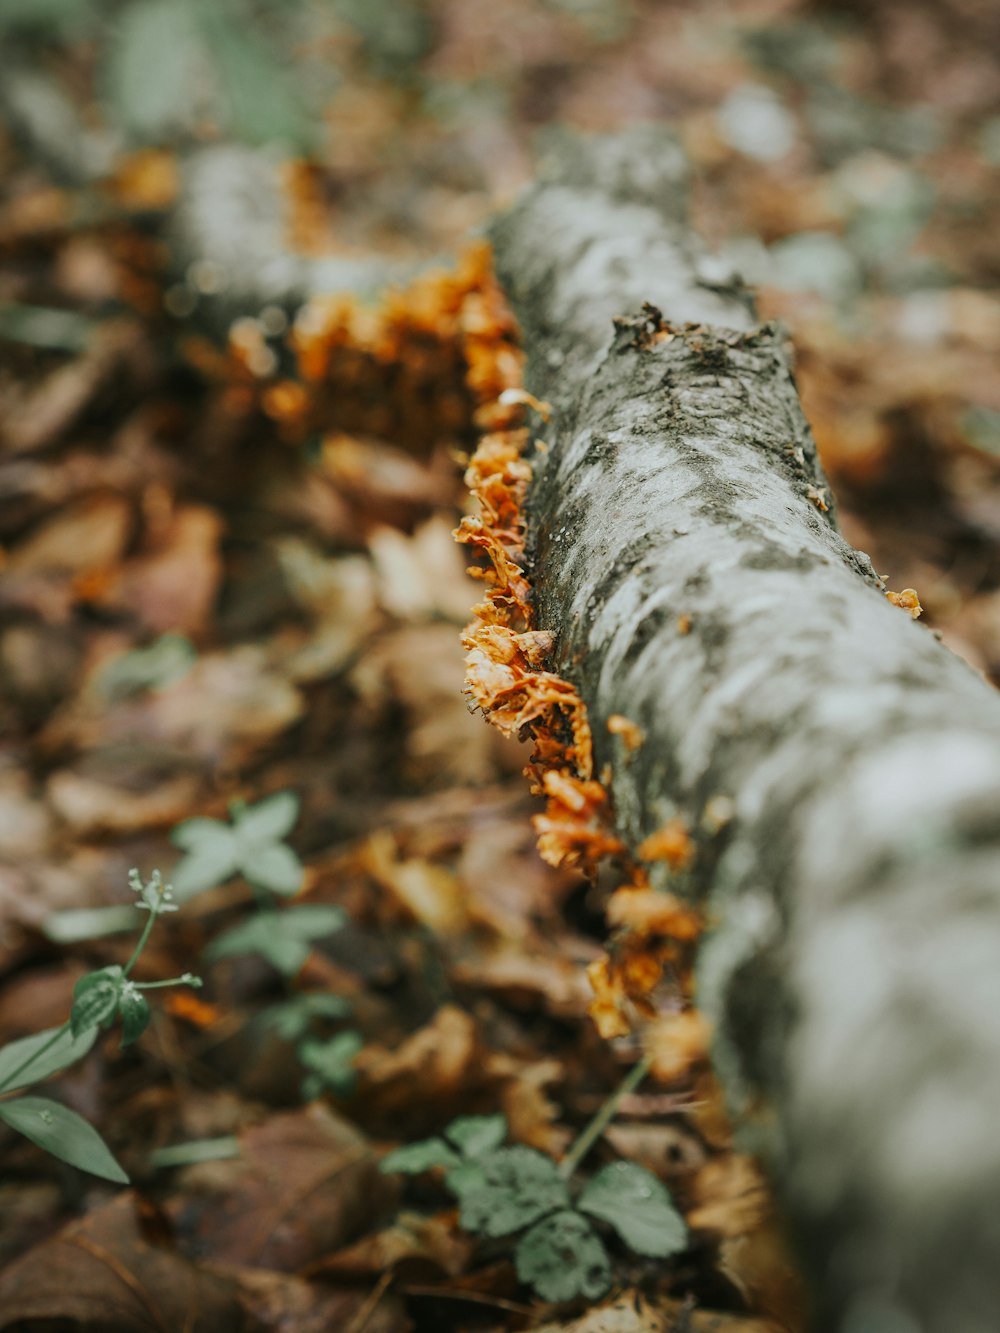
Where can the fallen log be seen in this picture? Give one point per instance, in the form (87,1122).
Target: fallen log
(839,768)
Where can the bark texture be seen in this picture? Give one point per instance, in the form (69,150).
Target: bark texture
(681,552)
(231,226)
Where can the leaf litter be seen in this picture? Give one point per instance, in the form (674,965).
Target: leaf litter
(226,577)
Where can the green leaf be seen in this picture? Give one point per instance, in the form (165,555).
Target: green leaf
(280,937)
(136,1014)
(311,921)
(291,1018)
(563,1259)
(95,999)
(65,1050)
(62,1133)
(156,69)
(213,856)
(476,1135)
(519,1186)
(639,1208)
(165,660)
(269,820)
(192,834)
(41,326)
(88,923)
(262,934)
(195,1150)
(275,867)
(465,1179)
(418,1157)
(330,1062)
(41,13)
(260,93)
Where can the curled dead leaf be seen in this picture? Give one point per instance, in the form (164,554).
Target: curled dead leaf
(443,1059)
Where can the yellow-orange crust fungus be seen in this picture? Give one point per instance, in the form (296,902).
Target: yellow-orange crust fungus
(631,735)
(646,911)
(907,600)
(506,677)
(671,843)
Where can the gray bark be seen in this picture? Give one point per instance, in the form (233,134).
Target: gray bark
(853,969)
(229,245)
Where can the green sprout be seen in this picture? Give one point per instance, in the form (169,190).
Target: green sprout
(98,999)
(517,1191)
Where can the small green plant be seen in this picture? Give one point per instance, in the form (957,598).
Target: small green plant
(252,845)
(509,1191)
(98,999)
(327,1060)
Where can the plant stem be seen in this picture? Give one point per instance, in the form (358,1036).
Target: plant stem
(603,1118)
(187,979)
(146,932)
(11,1080)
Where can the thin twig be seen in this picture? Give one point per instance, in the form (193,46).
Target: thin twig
(366,1311)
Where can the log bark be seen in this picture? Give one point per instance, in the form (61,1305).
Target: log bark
(681,551)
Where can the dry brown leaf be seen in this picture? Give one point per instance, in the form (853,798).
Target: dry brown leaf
(225,704)
(52,406)
(442,1060)
(122,788)
(90,534)
(290,1304)
(531,1113)
(729,1196)
(423,575)
(228,703)
(669,1149)
(174,586)
(109,1271)
(305,1183)
(527,978)
(430,892)
(507,886)
(25,823)
(378,478)
(631,1312)
(759,1265)
(676,1043)
(443,742)
(416,1242)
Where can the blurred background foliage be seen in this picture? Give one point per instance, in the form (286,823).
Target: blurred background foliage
(168,71)
(846,159)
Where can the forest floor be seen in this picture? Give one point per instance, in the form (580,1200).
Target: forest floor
(227,572)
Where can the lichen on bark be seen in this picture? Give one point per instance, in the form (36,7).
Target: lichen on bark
(839,769)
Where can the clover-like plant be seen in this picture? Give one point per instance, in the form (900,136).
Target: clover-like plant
(251,845)
(517,1191)
(98,999)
